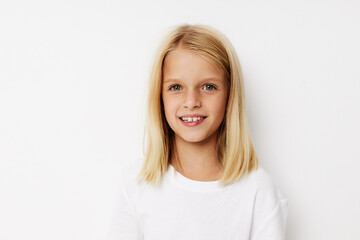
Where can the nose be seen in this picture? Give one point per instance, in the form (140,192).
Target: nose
(192,99)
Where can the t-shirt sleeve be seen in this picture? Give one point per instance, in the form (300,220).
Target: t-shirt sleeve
(270,214)
(124,224)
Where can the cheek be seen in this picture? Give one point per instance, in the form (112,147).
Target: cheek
(168,107)
(218,108)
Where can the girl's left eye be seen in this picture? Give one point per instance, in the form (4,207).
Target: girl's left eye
(209,87)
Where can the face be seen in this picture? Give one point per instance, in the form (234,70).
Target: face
(194,93)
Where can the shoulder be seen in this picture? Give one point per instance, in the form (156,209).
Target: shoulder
(270,201)
(270,207)
(129,171)
(266,188)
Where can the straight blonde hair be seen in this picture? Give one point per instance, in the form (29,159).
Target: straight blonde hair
(234,147)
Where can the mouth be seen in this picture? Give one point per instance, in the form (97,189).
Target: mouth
(192,118)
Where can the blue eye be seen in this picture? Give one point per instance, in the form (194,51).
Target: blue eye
(209,87)
(175,87)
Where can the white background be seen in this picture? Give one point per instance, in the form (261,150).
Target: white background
(73,77)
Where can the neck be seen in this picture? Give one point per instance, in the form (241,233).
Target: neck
(197,161)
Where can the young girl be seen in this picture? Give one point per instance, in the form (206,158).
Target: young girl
(200,177)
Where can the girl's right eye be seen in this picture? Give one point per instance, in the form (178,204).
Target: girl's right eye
(175,88)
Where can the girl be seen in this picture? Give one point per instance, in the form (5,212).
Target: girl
(200,177)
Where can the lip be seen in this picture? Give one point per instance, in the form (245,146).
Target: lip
(193,115)
(193,124)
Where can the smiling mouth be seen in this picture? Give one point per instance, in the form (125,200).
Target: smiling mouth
(191,119)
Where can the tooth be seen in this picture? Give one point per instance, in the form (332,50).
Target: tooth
(191,119)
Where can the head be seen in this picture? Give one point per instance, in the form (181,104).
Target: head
(194,97)
(207,46)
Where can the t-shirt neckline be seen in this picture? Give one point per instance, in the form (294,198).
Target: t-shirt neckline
(192,184)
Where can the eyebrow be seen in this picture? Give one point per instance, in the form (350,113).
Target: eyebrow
(204,79)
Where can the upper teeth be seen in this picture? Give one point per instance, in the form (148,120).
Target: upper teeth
(191,119)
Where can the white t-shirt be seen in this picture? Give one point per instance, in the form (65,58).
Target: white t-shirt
(181,208)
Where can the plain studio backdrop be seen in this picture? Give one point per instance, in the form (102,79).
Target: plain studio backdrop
(73,79)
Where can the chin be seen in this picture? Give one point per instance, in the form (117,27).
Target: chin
(194,139)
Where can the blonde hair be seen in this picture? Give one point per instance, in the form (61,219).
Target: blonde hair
(234,147)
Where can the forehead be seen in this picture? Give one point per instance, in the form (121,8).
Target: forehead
(183,63)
